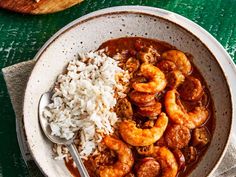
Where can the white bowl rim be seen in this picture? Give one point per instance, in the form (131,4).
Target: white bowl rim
(227,66)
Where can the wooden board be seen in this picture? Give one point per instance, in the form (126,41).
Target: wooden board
(42,7)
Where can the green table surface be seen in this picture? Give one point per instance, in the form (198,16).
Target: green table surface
(21,36)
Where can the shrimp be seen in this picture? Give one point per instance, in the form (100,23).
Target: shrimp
(166,158)
(169,165)
(141,97)
(179,115)
(180,60)
(157,79)
(143,137)
(125,159)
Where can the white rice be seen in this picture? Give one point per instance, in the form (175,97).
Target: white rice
(83,100)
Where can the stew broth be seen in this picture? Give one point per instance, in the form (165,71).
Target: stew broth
(130,46)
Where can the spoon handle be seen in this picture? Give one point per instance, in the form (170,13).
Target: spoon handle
(79,163)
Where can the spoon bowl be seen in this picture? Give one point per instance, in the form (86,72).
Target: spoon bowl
(43,102)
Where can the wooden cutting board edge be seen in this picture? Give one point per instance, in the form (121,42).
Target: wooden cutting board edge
(42,7)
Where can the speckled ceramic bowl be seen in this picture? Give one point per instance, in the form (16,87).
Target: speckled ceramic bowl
(88,32)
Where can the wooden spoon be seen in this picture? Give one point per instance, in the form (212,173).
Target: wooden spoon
(42,7)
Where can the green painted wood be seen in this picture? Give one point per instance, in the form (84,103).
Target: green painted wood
(21,36)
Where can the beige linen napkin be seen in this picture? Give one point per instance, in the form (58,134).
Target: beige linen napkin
(16,77)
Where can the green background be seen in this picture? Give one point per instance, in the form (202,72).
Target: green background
(21,36)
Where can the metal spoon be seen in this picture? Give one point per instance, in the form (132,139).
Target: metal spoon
(43,102)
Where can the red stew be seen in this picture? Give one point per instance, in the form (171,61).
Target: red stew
(188,144)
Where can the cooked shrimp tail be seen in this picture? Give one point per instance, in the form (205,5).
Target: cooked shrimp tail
(143,137)
(179,58)
(180,116)
(125,159)
(157,81)
(166,158)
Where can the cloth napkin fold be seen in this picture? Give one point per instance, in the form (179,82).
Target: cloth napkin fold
(16,77)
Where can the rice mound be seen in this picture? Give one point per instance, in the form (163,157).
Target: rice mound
(84,98)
